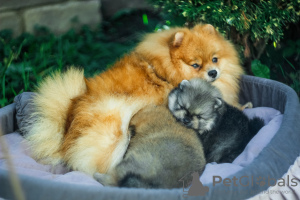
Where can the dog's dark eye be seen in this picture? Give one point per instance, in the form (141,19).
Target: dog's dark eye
(195,65)
(179,107)
(214,60)
(198,116)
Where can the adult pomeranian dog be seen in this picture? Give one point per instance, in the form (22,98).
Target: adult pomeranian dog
(84,122)
(224,130)
(160,153)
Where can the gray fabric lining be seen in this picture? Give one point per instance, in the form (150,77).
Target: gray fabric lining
(8,119)
(273,161)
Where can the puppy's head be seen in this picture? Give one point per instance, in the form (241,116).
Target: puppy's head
(196,104)
(202,52)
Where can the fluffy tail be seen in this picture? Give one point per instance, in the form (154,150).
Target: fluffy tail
(255,125)
(47,124)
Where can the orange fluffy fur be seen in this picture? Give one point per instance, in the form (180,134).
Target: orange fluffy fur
(86,125)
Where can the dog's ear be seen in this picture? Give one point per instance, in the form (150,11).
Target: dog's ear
(183,84)
(178,39)
(218,103)
(207,28)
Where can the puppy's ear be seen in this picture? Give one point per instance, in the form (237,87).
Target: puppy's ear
(207,28)
(218,103)
(178,39)
(172,99)
(183,84)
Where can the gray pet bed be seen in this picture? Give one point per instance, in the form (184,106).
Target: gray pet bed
(274,161)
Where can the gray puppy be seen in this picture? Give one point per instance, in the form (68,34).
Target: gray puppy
(225,130)
(161,151)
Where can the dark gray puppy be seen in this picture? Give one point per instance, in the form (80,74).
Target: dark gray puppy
(161,151)
(224,130)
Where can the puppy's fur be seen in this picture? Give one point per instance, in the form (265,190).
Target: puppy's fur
(160,153)
(225,130)
(84,123)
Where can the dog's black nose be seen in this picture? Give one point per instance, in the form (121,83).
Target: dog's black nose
(186,120)
(212,73)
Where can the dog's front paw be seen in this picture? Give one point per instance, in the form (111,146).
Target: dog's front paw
(104,179)
(247,105)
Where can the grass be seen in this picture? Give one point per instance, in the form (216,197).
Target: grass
(29,58)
